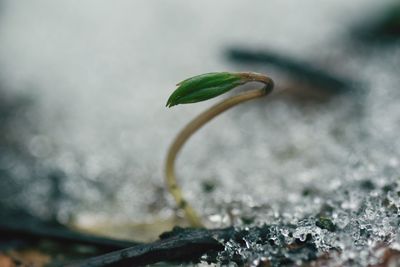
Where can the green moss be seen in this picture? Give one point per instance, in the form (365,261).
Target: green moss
(325,223)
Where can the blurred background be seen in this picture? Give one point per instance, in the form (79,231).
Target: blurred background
(84,129)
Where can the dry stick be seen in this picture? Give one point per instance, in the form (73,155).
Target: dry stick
(188,245)
(190,214)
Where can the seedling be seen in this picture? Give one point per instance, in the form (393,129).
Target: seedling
(200,88)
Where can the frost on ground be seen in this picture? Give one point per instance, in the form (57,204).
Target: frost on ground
(89,141)
(354,226)
(349,214)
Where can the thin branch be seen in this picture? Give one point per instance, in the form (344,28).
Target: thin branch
(27,227)
(186,245)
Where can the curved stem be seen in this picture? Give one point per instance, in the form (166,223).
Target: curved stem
(196,124)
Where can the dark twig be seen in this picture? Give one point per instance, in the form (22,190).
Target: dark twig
(26,227)
(179,245)
(299,70)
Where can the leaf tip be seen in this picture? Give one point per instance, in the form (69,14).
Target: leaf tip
(203,87)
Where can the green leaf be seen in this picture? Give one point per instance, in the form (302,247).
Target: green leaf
(205,86)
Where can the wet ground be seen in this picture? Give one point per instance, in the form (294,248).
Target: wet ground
(85,130)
